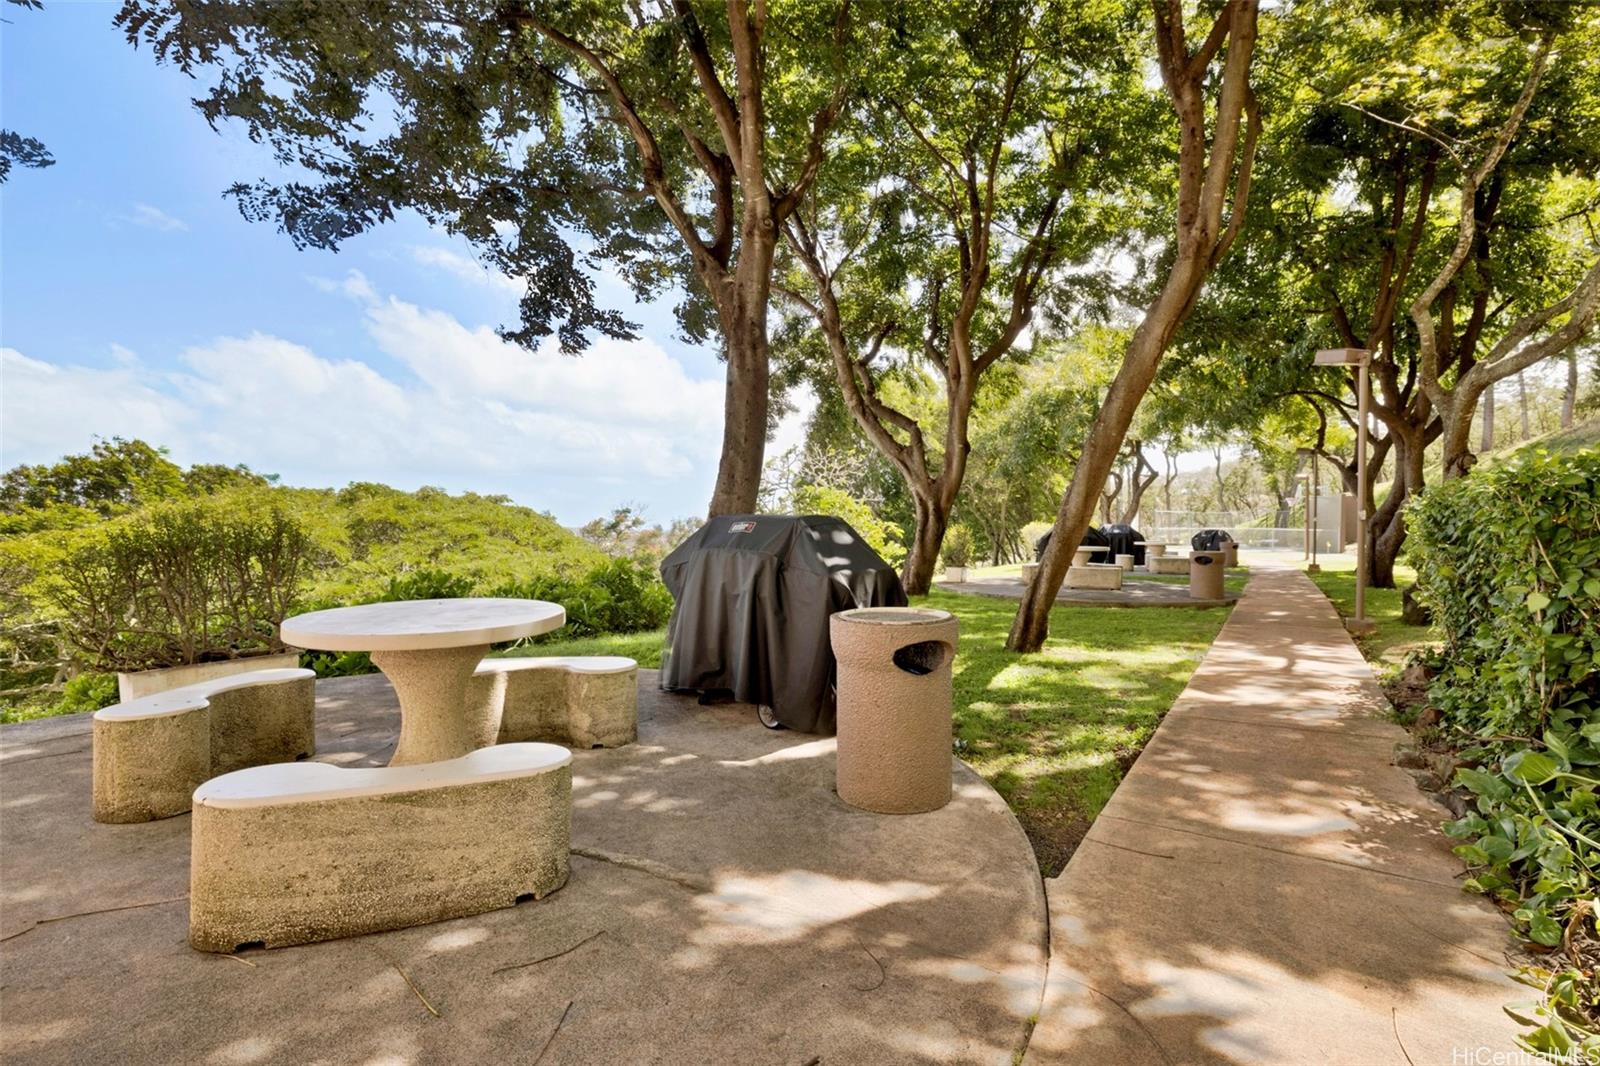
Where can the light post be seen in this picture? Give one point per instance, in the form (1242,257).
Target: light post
(1305,503)
(1316,493)
(1358,358)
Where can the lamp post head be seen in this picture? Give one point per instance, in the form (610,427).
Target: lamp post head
(1341,357)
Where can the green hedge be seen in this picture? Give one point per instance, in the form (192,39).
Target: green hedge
(176,583)
(617,596)
(1508,560)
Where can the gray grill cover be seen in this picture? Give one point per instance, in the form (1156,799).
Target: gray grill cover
(754,593)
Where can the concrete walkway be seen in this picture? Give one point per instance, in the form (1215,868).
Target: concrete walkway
(1265,886)
(724,906)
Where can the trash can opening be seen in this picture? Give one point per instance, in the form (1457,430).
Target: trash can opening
(923,657)
(1201,560)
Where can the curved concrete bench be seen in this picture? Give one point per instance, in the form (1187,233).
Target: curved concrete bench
(580,701)
(299,852)
(151,753)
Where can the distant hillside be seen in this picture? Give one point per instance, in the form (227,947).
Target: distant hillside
(371,533)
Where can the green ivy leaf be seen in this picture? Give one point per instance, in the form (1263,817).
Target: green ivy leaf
(1543,929)
(1537,601)
(1482,784)
(1531,767)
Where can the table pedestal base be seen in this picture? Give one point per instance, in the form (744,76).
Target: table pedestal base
(435,722)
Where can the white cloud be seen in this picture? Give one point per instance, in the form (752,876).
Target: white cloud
(473,409)
(465,268)
(354,285)
(154,218)
(48,410)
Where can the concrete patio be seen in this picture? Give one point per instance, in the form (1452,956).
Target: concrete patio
(724,905)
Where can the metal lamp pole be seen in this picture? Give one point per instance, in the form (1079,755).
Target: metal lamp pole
(1360,359)
(1305,498)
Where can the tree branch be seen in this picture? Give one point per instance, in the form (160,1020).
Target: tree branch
(723,108)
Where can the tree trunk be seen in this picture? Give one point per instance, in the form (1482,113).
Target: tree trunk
(1216,453)
(1171,462)
(1486,440)
(744,419)
(1108,496)
(1101,447)
(1144,475)
(932,521)
(1387,530)
(1205,172)
(1569,399)
(1522,402)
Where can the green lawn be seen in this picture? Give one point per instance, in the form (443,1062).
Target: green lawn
(1388,647)
(644,648)
(1234,583)
(1054,731)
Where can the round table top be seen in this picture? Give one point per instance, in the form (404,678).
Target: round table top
(418,625)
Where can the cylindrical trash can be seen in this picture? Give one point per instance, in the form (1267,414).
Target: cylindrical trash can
(1230,551)
(1205,575)
(894,707)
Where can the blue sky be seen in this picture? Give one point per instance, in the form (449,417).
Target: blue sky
(135,301)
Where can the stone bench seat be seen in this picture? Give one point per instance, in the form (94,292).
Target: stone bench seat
(1106,576)
(300,852)
(151,753)
(1169,564)
(582,702)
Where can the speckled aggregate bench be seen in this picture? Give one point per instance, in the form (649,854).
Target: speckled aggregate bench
(300,852)
(580,701)
(151,753)
(1095,576)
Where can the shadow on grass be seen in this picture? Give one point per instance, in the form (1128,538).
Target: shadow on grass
(1054,731)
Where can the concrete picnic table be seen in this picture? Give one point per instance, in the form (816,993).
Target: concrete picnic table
(1082,553)
(428,649)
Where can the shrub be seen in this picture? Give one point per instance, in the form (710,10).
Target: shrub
(957,548)
(174,584)
(87,692)
(1508,560)
(884,537)
(618,596)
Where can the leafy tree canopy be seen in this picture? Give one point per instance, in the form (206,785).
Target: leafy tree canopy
(485,118)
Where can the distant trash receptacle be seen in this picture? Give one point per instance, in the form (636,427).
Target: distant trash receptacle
(1205,575)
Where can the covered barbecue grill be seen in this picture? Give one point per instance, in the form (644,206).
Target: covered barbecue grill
(1124,540)
(754,594)
(1093,537)
(1210,540)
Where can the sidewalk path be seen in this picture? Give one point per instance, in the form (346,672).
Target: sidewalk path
(1266,886)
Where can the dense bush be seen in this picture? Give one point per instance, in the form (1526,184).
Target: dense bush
(1508,560)
(119,559)
(882,536)
(618,596)
(957,548)
(172,584)
(367,535)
